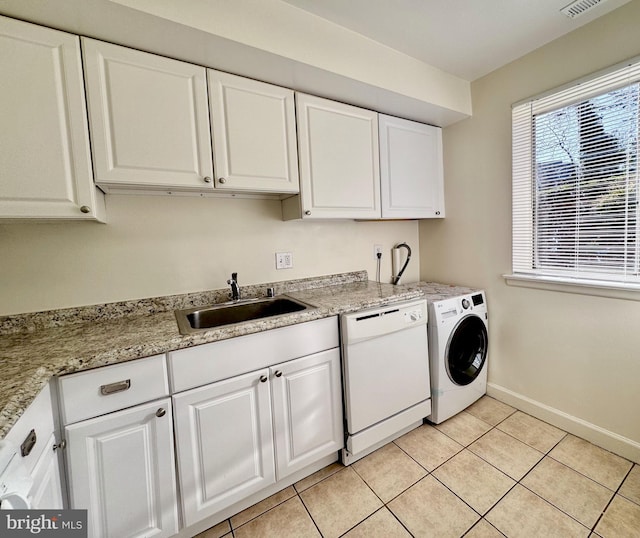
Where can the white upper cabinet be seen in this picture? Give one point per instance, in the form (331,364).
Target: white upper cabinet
(45,164)
(149,119)
(253,128)
(339,163)
(410,169)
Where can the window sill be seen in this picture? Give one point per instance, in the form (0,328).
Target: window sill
(598,288)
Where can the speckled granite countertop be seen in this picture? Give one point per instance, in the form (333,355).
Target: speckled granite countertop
(36,347)
(434,291)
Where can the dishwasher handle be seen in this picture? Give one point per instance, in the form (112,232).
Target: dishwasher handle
(377,314)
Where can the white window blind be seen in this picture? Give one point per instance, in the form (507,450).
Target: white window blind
(575,180)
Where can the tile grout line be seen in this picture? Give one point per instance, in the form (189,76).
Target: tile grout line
(616,492)
(544,455)
(548,454)
(453,456)
(516,482)
(465,447)
(487,522)
(428,471)
(307,508)
(233,529)
(384,504)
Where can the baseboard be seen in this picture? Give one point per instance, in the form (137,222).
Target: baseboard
(627,448)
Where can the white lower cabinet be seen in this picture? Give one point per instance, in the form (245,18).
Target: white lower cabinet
(34,434)
(120,451)
(47,487)
(121,469)
(268,414)
(307,410)
(238,436)
(224,443)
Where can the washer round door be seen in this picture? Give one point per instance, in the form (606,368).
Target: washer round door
(466,350)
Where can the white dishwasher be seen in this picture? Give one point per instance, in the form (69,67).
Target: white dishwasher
(385,375)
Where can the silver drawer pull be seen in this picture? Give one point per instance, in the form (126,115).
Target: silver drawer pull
(118,386)
(27,445)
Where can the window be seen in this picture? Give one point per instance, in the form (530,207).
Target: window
(575,181)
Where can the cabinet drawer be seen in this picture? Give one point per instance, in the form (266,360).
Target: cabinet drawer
(200,365)
(103,390)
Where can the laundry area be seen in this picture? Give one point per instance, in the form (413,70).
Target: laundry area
(296,268)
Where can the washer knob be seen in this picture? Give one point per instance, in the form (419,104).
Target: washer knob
(465,303)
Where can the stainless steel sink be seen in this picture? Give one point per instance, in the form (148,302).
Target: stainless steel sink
(200,319)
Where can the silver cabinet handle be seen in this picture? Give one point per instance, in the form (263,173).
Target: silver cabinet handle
(263,379)
(437,212)
(207,179)
(27,445)
(222,180)
(85,209)
(161,412)
(278,373)
(61,445)
(307,212)
(118,386)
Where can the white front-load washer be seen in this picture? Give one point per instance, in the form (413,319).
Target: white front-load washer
(458,345)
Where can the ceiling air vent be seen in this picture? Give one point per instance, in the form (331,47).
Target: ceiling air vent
(580,7)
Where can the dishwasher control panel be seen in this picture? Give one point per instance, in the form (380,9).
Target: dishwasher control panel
(388,319)
(413,315)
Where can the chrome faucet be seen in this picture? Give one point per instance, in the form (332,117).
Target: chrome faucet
(235,289)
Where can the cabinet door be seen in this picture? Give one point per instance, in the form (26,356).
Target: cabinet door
(307,410)
(339,165)
(121,468)
(149,119)
(45,164)
(224,443)
(39,418)
(47,490)
(253,128)
(410,169)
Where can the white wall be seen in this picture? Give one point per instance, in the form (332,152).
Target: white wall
(162,245)
(570,359)
(304,37)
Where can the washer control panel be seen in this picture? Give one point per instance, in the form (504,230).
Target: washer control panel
(477,299)
(451,309)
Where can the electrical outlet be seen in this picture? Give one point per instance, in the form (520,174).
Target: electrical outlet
(284,260)
(377,249)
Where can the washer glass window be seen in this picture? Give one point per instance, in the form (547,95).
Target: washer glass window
(466,350)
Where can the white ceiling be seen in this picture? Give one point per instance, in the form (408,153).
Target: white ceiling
(467,38)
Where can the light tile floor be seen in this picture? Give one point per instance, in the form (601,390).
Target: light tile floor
(490,471)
